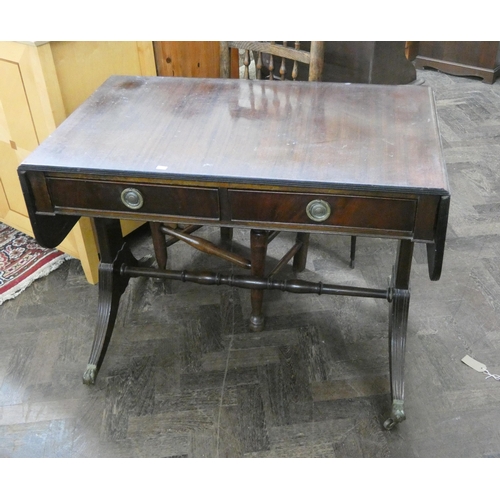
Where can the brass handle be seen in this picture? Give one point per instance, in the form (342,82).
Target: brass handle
(318,210)
(132,198)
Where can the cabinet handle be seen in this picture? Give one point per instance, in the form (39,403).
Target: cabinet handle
(318,210)
(132,198)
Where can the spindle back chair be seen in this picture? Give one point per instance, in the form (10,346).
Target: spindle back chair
(275,60)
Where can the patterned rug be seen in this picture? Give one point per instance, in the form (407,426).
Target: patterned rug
(22,261)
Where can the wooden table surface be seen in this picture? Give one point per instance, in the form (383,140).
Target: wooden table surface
(259,132)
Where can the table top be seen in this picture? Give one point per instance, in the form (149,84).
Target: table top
(308,134)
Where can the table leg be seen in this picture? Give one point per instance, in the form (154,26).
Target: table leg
(398,322)
(258,250)
(114,253)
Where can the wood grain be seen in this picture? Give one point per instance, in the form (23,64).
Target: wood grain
(254,131)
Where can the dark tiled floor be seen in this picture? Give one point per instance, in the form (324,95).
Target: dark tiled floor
(184,377)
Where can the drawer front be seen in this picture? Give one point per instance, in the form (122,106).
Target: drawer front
(370,213)
(134,198)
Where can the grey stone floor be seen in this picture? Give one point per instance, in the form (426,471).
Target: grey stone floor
(184,377)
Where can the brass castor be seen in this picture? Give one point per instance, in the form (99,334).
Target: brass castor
(257,323)
(90,375)
(397,415)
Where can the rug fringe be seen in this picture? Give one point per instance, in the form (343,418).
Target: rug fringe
(42,272)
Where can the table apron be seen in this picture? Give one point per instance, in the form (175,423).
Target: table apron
(378,214)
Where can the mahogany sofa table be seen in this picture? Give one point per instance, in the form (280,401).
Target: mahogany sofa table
(306,157)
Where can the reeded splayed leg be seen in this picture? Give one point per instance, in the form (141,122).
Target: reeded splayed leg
(398,323)
(258,250)
(114,253)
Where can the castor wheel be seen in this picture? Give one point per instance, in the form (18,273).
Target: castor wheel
(389,424)
(397,415)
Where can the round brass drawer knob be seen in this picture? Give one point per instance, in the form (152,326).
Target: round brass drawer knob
(132,198)
(318,210)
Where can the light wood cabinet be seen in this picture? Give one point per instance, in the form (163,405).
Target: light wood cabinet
(41,83)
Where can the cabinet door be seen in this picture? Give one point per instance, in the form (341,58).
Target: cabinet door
(17,137)
(24,123)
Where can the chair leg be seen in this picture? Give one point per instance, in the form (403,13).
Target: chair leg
(300,259)
(226,234)
(258,250)
(159,245)
(353,251)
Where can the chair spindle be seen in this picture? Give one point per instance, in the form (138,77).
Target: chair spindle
(283,65)
(246,63)
(295,70)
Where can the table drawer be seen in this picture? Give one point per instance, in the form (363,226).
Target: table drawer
(393,214)
(103,196)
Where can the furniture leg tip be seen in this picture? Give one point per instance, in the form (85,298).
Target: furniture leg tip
(397,415)
(256,323)
(90,375)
